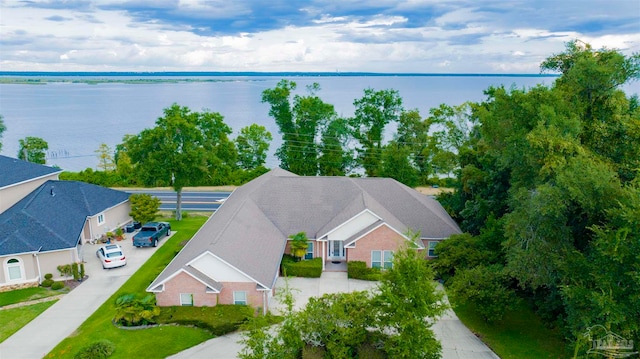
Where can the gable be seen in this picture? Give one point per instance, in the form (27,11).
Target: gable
(218,270)
(354,225)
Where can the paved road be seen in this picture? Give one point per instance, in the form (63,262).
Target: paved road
(42,334)
(458,342)
(208,201)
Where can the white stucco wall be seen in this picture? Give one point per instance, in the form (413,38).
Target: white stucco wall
(352,226)
(218,270)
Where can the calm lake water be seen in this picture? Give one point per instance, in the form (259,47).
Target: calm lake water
(75,118)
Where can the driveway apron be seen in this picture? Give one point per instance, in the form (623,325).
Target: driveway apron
(457,341)
(41,335)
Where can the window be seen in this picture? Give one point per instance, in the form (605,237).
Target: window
(186,299)
(382,259)
(240,297)
(14,269)
(432,249)
(101,218)
(309,254)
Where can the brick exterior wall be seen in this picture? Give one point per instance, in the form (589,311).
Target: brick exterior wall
(184,283)
(382,238)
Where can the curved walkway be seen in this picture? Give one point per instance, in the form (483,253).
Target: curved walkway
(42,334)
(458,342)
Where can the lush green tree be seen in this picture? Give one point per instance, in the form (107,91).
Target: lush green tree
(408,304)
(33,149)
(299,119)
(105,158)
(336,159)
(373,112)
(397,164)
(144,207)
(185,148)
(253,144)
(3,128)
(486,287)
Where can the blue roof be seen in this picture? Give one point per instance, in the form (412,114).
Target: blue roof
(52,216)
(13,170)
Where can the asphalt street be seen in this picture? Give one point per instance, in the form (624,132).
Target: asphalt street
(205,201)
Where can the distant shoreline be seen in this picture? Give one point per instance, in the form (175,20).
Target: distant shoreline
(254,74)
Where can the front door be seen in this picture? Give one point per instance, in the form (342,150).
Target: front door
(336,250)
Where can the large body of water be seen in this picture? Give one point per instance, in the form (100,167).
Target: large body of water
(75,118)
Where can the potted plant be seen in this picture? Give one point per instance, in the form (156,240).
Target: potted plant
(119,234)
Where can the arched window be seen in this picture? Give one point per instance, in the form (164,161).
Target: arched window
(15,269)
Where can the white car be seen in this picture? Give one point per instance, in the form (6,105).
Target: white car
(111,256)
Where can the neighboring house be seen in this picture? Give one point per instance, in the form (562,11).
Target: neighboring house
(235,257)
(49,226)
(18,178)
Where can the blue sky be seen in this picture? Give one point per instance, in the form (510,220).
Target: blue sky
(427,36)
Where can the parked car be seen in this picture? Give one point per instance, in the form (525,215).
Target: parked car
(111,256)
(151,233)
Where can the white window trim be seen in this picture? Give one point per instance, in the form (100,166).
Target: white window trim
(245,300)
(182,303)
(20,266)
(100,219)
(382,261)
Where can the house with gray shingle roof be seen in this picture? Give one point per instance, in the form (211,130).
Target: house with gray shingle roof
(236,254)
(18,178)
(50,224)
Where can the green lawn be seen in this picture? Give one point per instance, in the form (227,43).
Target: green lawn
(520,335)
(158,342)
(27,294)
(11,320)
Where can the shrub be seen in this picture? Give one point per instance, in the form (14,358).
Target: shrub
(312,352)
(48,276)
(134,311)
(57,285)
(65,270)
(220,320)
(75,271)
(47,283)
(311,268)
(96,350)
(82,270)
(359,270)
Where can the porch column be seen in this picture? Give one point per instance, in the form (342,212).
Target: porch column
(324,259)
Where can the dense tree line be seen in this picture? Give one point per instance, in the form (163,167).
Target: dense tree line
(549,195)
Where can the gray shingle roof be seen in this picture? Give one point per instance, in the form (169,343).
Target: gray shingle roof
(13,170)
(52,216)
(250,229)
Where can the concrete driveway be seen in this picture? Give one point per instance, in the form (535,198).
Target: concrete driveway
(458,342)
(41,335)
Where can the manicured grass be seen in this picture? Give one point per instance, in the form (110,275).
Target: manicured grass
(520,335)
(158,342)
(11,320)
(27,294)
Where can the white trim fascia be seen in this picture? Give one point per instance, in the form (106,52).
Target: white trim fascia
(19,254)
(227,263)
(175,274)
(32,179)
(351,244)
(347,221)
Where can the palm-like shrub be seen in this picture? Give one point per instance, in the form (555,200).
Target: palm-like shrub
(299,244)
(132,310)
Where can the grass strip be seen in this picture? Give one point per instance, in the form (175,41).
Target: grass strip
(519,335)
(11,320)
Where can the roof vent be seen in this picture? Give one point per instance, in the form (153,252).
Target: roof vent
(52,192)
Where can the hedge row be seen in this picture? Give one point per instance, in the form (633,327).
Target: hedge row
(220,320)
(359,270)
(310,268)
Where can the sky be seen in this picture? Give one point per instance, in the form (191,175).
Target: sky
(387,36)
